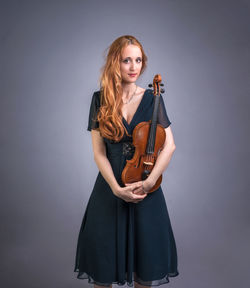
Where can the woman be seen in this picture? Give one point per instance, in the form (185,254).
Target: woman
(126,234)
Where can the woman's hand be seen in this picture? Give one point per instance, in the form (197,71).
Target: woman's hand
(127,193)
(141,187)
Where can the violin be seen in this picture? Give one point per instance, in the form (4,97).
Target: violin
(148,140)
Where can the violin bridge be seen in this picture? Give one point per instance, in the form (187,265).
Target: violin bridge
(148,163)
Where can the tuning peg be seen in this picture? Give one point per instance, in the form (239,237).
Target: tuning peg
(162,90)
(161,84)
(150,85)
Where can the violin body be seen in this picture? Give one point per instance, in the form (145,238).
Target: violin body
(139,167)
(148,140)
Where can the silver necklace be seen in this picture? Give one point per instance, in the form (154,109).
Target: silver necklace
(130,97)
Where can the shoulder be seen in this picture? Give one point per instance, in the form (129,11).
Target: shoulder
(150,93)
(96,93)
(96,97)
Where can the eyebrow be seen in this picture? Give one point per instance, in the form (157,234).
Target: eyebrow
(130,57)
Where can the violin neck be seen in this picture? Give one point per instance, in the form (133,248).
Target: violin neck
(153,126)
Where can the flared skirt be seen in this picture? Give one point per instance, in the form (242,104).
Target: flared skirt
(120,242)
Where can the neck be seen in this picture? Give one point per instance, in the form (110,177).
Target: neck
(128,88)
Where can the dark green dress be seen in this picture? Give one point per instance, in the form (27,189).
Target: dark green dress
(120,242)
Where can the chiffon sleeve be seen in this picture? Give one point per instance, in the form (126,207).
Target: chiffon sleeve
(94,108)
(162,114)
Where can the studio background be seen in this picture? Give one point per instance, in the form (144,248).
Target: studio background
(51,55)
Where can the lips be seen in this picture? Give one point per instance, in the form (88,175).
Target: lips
(132,75)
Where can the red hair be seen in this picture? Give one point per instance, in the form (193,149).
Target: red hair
(110,115)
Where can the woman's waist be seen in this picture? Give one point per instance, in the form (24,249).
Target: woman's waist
(125,149)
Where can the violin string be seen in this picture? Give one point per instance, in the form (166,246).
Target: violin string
(151,138)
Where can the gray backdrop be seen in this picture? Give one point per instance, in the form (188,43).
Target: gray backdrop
(51,54)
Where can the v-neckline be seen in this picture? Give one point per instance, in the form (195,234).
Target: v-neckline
(143,96)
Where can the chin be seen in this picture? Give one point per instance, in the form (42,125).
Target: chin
(129,80)
(132,80)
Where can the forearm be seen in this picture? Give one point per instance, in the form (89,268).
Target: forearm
(161,163)
(106,170)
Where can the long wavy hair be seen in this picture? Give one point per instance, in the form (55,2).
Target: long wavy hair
(110,81)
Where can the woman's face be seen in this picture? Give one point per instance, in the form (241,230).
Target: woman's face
(131,63)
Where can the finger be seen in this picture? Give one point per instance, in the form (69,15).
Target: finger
(136,186)
(139,189)
(136,191)
(139,196)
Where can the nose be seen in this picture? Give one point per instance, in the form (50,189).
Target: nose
(132,66)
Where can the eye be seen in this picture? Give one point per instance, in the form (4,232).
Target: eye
(138,60)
